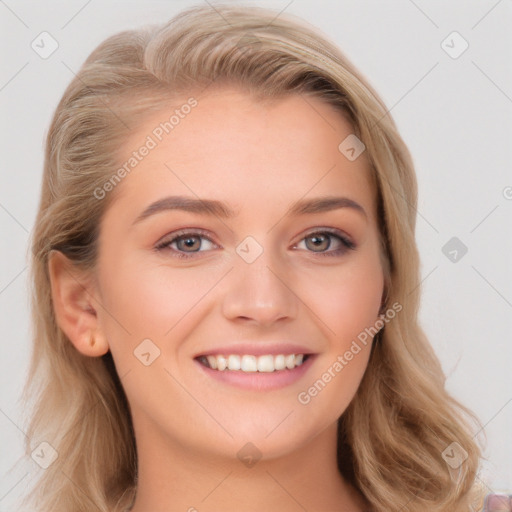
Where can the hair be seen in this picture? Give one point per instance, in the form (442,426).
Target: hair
(392,435)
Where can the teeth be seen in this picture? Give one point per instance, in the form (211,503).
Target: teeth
(233,363)
(248,363)
(212,361)
(222,364)
(266,363)
(279,362)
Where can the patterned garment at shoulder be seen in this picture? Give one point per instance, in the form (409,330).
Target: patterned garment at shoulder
(497,503)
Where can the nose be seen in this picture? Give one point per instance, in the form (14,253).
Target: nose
(260,292)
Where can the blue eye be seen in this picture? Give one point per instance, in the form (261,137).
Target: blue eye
(185,244)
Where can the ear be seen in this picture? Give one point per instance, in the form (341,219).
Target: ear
(73,296)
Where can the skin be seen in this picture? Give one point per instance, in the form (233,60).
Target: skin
(258,159)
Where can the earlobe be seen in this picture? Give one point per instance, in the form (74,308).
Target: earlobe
(96,345)
(73,304)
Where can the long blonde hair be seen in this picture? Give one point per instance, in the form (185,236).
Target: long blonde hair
(394,432)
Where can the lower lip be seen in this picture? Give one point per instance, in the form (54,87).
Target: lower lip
(259,381)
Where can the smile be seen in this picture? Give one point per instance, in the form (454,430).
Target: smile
(267,363)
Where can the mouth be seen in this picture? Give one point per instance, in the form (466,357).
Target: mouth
(256,366)
(247,363)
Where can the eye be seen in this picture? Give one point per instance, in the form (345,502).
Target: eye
(186,242)
(320,241)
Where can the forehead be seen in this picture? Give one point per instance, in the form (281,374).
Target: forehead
(229,145)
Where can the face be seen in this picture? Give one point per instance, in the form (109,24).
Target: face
(269,271)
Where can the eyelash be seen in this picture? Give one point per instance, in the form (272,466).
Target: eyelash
(347,245)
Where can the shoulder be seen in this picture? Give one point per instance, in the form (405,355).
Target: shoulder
(497,503)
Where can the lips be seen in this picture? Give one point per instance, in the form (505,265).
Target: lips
(257,370)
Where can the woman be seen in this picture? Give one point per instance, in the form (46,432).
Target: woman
(226,285)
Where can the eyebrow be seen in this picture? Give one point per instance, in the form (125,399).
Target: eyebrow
(220,209)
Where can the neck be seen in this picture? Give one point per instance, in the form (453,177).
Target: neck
(173,478)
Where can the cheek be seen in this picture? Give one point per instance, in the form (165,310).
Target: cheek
(346,299)
(356,305)
(348,305)
(149,301)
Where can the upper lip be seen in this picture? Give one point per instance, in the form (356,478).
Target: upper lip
(256,349)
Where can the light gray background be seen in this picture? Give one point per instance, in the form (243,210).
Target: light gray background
(454,114)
